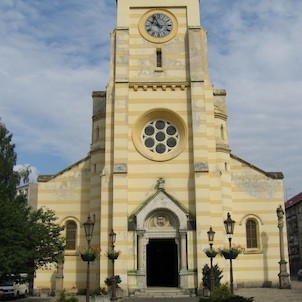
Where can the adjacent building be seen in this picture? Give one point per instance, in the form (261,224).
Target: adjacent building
(160,171)
(30,191)
(293,209)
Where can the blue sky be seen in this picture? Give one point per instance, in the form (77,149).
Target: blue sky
(53,54)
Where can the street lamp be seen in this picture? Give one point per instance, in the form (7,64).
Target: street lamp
(229,225)
(88,227)
(112,238)
(211,234)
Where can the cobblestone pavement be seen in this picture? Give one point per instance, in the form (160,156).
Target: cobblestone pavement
(274,294)
(259,294)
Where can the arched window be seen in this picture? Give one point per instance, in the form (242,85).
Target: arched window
(251,234)
(222,132)
(97,134)
(71,235)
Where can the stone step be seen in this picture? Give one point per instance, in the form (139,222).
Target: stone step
(161,292)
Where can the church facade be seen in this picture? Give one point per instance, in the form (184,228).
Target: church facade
(160,171)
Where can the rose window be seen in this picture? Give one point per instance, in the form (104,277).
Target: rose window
(160,136)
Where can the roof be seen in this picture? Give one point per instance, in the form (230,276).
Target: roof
(294,200)
(273,175)
(46,178)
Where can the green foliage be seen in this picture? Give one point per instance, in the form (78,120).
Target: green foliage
(101,291)
(9,179)
(15,248)
(47,241)
(62,297)
(29,239)
(206,276)
(223,294)
(108,280)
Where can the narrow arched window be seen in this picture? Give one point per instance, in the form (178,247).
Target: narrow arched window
(71,235)
(251,234)
(159,59)
(222,132)
(97,134)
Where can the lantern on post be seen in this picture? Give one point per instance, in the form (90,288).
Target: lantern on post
(112,238)
(229,225)
(88,227)
(211,235)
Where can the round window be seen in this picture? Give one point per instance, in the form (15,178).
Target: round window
(160,136)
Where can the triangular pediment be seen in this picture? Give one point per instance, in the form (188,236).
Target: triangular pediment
(160,201)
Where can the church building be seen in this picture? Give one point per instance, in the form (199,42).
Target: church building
(160,171)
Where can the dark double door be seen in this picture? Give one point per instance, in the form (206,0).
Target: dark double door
(162,263)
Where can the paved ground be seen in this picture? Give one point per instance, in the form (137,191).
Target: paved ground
(274,294)
(259,294)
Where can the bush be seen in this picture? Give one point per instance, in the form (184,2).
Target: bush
(223,294)
(206,276)
(62,297)
(108,281)
(101,291)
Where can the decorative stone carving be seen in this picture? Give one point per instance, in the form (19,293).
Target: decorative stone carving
(161,183)
(162,203)
(201,167)
(161,221)
(120,168)
(159,86)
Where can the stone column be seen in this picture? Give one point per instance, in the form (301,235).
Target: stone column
(141,274)
(140,255)
(59,278)
(284,280)
(183,274)
(183,250)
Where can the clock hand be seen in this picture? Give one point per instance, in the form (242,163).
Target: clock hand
(158,23)
(155,22)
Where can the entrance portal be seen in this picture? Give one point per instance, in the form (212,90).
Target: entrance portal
(162,263)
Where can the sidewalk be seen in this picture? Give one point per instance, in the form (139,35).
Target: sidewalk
(274,294)
(259,294)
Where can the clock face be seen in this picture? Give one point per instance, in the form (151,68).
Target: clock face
(158,25)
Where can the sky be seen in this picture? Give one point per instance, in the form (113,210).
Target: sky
(53,54)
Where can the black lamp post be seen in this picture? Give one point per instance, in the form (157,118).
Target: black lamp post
(88,226)
(112,238)
(229,225)
(211,234)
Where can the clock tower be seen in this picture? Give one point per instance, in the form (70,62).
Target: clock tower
(166,140)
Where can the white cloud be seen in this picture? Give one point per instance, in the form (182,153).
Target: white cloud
(34,172)
(50,61)
(255,54)
(53,54)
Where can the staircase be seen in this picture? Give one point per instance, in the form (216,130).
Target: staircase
(162,292)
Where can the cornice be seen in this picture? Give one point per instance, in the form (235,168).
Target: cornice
(159,86)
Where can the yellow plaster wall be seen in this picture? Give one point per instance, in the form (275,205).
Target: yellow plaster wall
(229,185)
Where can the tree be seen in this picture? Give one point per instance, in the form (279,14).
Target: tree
(206,276)
(9,179)
(48,243)
(28,239)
